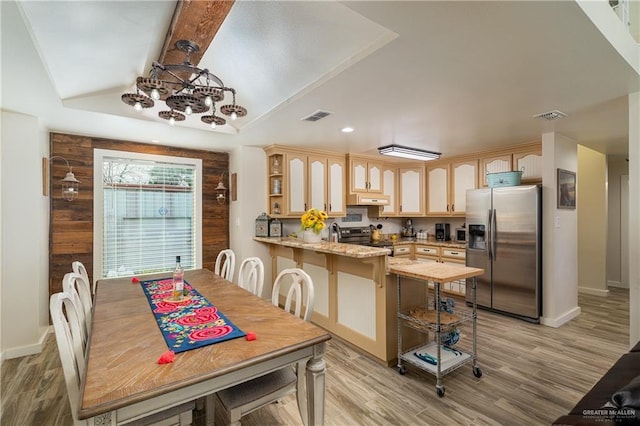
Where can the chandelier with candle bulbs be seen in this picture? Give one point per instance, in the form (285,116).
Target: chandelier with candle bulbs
(186,90)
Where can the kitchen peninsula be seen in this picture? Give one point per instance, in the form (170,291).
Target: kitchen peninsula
(355,294)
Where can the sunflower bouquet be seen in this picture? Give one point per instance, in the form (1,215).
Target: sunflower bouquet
(313,219)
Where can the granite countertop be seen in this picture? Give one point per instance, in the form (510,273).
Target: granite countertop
(340,249)
(431,242)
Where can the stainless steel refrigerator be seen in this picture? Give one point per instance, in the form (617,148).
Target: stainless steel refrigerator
(504,237)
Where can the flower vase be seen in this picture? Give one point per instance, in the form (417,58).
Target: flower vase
(308,236)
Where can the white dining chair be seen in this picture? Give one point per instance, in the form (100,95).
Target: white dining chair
(251,275)
(78,268)
(244,398)
(67,329)
(225,264)
(78,290)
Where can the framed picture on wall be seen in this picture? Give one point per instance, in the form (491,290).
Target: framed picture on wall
(566,189)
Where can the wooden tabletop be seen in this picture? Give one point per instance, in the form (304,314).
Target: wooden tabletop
(436,272)
(126,342)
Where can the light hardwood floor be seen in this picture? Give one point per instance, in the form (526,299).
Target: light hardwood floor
(531,375)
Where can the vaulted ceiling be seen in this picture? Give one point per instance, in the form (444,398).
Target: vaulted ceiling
(447,76)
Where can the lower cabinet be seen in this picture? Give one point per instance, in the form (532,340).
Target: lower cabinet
(434,253)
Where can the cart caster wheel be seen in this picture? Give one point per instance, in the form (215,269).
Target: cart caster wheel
(440,391)
(402,370)
(477,372)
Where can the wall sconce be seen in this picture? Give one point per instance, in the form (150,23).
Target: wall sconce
(69,184)
(221,190)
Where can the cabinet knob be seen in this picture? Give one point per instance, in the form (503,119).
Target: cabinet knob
(447,207)
(325,207)
(452,208)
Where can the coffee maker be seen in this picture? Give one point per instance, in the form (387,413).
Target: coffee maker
(443,232)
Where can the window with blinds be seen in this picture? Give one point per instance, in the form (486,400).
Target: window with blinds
(148,215)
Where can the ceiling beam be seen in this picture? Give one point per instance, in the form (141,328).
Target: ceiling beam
(197,21)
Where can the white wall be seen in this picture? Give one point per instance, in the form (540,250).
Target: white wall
(250,163)
(617,166)
(592,240)
(23,265)
(559,239)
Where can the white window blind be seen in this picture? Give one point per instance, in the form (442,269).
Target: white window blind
(148,216)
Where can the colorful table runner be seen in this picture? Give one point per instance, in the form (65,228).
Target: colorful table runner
(190,324)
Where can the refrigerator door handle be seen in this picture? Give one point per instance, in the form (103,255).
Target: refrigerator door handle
(490,235)
(494,231)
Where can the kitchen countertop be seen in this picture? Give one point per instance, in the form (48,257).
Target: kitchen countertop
(341,249)
(431,242)
(439,272)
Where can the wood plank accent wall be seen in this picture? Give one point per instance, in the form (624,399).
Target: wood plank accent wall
(71,223)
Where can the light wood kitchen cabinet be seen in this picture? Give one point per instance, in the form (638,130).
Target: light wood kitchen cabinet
(411,191)
(446,255)
(494,164)
(336,181)
(307,180)
(365,175)
(529,162)
(526,158)
(296,184)
(427,253)
(390,189)
(447,185)
(402,250)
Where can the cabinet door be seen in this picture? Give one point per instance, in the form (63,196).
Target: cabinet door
(411,191)
(501,163)
(389,188)
(317,182)
(297,184)
(375,177)
(359,176)
(335,187)
(464,176)
(437,189)
(530,164)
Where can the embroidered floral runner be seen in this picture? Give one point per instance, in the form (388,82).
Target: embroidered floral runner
(189,324)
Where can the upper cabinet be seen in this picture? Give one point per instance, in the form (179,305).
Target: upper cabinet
(411,191)
(494,164)
(365,175)
(447,185)
(307,180)
(526,158)
(529,162)
(390,189)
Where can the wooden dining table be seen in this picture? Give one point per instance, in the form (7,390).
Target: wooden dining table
(124,381)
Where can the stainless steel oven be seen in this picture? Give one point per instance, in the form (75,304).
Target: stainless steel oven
(360,235)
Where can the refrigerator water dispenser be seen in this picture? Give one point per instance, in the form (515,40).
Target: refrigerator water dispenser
(477,237)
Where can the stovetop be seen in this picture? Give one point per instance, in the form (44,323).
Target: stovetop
(360,235)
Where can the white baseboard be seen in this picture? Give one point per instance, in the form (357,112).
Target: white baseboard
(562,319)
(20,351)
(617,284)
(593,291)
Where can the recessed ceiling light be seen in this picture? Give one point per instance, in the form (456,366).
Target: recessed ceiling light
(347,129)
(155,141)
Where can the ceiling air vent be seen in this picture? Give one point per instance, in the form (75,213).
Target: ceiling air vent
(316,116)
(551,115)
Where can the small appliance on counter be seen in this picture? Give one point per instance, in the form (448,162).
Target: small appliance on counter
(443,232)
(408,231)
(461,235)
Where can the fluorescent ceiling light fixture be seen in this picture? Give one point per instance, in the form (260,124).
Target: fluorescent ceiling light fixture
(347,129)
(406,152)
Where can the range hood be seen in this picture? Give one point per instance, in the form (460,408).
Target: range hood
(367,199)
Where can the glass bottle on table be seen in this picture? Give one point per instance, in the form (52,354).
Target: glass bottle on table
(178,281)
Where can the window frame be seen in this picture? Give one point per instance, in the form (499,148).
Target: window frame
(98,199)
